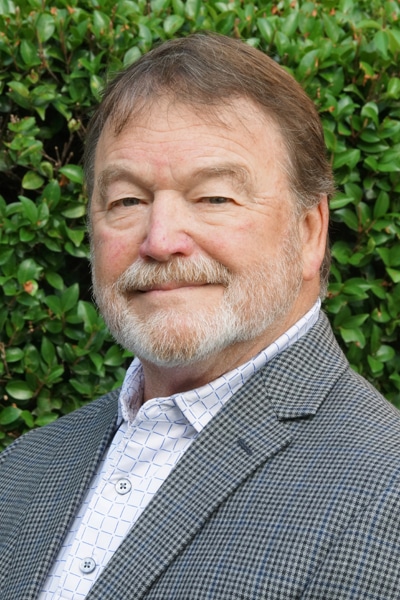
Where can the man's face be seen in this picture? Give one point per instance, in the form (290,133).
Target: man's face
(195,246)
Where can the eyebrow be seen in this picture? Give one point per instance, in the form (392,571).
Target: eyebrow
(237,173)
(109,175)
(232,171)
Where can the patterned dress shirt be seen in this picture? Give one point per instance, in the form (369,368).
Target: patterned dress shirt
(150,440)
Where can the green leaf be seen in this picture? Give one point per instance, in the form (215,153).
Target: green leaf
(69,299)
(353,335)
(192,8)
(52,193)
(381,205)
(178,7)
(54,303)
(331,28)
(145,38)
(55,280)
(7,7)
(74,212)
(28,270)
(25,125)
(19,390)
(83,387)
(266,28)
(158,6)
(32,181)
(76,236)
(47,350)
(385,353)
(9,415)
(354,321)
(394,274)
(371,111)
(348,217)
(342,251)
(96,86)
(339,201)
(393,89)
(344,54)
(101,24)
(88,314)
(375,365)
(54,375)
(349,158)
(381,42)
(19,88)
(45,420)
(114,357)
(27,418)
(355,287)
(29,209)
(29,53)
(131,56)
(308,64)
(172,23)
(73,173)
(290,24)
(45,26)
(14,354)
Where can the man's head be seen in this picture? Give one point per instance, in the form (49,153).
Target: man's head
(204,118)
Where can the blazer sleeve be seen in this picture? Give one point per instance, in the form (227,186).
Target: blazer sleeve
(363,561)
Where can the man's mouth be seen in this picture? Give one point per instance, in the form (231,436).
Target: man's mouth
(170,286)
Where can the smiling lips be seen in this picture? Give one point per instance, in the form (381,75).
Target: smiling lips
(167,287)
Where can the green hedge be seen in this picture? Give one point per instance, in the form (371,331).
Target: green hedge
(55,352)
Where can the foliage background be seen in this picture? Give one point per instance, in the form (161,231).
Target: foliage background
(55,353)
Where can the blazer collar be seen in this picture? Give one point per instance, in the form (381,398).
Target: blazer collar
(300,379)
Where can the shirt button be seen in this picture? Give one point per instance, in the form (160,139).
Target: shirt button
(123,486)
(88,565)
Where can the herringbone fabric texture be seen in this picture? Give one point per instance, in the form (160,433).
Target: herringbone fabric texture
(292,491)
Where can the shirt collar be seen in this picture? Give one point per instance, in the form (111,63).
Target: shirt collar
(200,405)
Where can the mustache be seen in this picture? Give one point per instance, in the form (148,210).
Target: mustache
(142,275)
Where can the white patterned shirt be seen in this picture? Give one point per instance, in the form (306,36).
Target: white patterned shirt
(150,440)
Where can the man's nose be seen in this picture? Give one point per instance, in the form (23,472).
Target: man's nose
(168,230)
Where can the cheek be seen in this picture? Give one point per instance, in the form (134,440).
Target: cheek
(112,255)
(232,247)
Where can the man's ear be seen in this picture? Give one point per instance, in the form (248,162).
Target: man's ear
(314,233)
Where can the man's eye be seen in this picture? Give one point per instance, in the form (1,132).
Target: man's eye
(125,202)
(217,200)
(129,201)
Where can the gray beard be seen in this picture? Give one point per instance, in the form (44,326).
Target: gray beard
(251,304)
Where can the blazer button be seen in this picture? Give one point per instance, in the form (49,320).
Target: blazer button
(87,565)
(123,486)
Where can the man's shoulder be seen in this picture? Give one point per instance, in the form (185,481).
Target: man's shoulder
(314,379)
(98,413)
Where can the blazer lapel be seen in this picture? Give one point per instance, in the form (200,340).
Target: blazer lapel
(254,425)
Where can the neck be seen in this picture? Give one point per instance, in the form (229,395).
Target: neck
(166,381)
(160,381)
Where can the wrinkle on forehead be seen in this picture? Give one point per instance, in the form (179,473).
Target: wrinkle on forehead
(237,110)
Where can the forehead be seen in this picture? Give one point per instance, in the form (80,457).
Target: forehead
(169,113)
(213,113)
(175,135)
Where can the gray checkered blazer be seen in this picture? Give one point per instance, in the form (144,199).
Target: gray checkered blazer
(292,491)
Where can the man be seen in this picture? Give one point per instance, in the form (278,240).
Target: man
(242,458)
